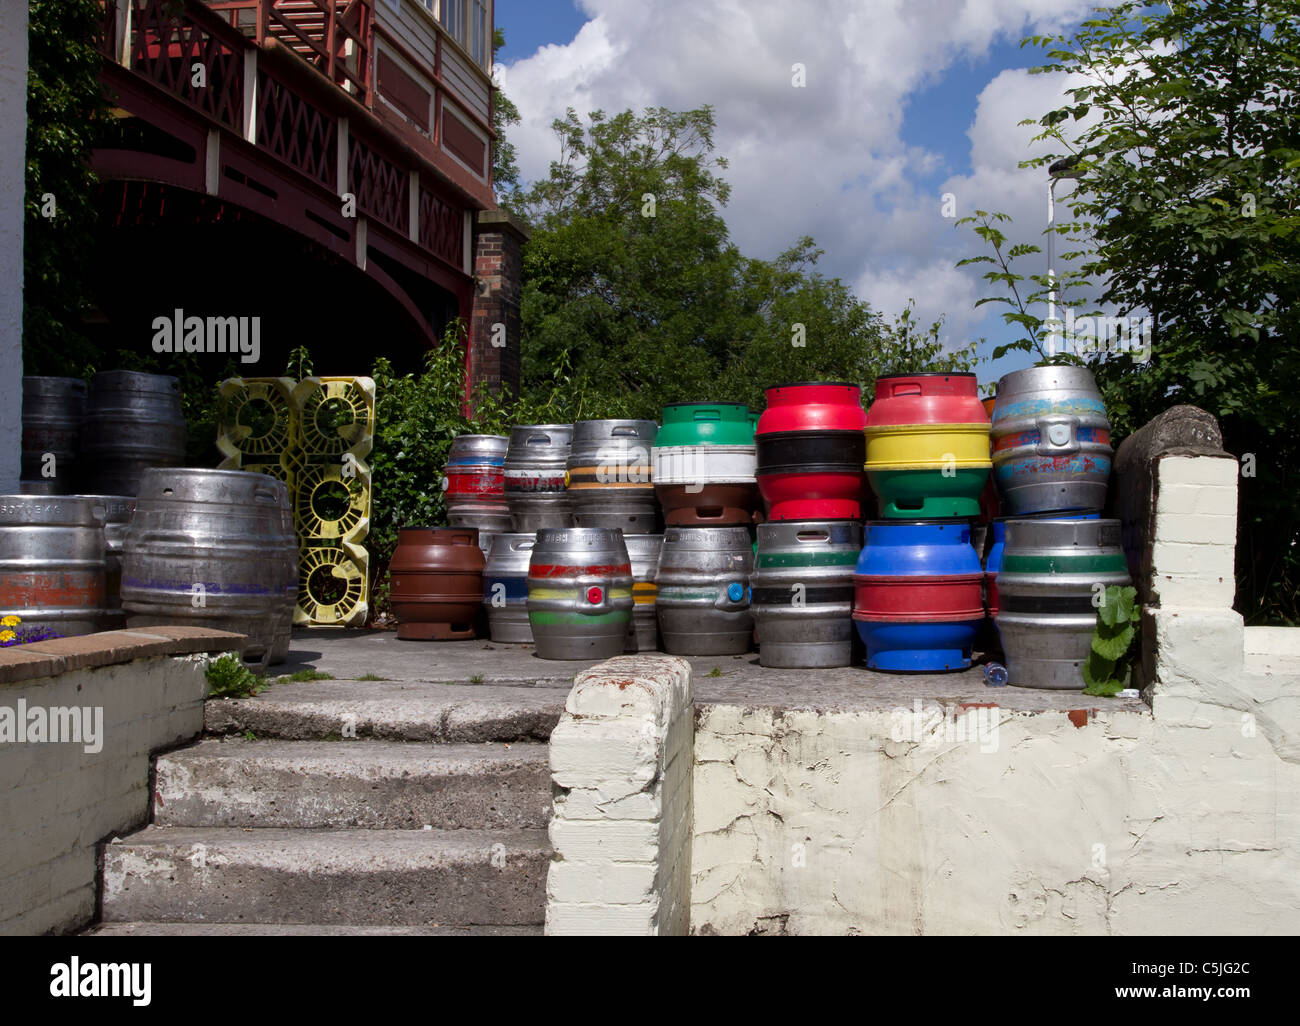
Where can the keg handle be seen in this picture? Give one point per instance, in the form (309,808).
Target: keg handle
(906,388)
(709,414)
(262,495)
(1058,436)
(623,430)
(814,536)
(538,439)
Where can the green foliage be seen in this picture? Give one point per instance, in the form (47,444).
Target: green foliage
(1109,666)
(631,277)
(1189,152)
(418,416)
(305,675)
(64,111)
(505,163)
(1183,134)
(228,677)
(1024,292)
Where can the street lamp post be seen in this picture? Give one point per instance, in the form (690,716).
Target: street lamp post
(1063,168)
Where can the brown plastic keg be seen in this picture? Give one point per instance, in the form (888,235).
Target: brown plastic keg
(436,583)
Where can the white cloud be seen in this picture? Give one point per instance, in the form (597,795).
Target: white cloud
(826,160)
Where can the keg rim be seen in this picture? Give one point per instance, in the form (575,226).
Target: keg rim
(802,384)
(927,374)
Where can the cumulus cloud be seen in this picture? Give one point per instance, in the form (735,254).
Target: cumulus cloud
(827,159)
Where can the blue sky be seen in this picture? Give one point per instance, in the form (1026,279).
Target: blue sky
(909,100)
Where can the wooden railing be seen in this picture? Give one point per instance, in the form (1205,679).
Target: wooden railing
(319,31)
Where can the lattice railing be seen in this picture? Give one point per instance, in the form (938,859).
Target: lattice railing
(296,131)
(441,227)
(380,185)
(191,54)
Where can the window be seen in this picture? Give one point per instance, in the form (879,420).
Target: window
(481,42)
(452,17)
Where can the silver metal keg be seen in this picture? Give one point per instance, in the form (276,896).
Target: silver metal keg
(609,475)
(474,481)
(803,592)
(213,548)
(1051,572)
(114,512)
(505,587)
(644,551)
(133,422)
(579,593)
(535,468)
(703,601)
(52,562)
(53,409)
(1051,441)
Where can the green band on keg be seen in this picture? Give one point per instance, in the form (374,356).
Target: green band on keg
(1109,563)
(801,559)
(544,619)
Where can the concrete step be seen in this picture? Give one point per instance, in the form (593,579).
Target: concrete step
(302,930)
(378,785)
(327,877)
(390,710)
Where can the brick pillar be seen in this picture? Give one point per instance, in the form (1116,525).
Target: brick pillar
(494,324)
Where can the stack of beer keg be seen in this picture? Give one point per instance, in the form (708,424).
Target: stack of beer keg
(810,450)
(918,586)
(704,463)
(1053,553)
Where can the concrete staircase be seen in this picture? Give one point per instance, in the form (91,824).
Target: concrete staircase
(335,807)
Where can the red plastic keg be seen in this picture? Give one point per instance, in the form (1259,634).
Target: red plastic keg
(810,451)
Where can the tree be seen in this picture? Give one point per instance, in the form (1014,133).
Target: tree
(64,111)
(630,274)
(1187,143)
(505,164)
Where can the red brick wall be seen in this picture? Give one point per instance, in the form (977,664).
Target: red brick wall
(498,259)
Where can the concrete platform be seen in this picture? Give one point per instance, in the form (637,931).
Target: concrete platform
(719,680)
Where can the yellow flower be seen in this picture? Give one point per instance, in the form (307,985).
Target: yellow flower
(10,621)
(7,635)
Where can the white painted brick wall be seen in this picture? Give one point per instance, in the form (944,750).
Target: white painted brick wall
(59,801)
(1194,536)
(621,762)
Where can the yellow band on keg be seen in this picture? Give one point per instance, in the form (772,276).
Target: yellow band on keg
(643,593)
(579,478)
(927,446)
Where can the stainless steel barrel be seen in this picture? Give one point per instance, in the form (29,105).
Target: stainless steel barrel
(133,422)
(1051,441)
(535,465)
(703,600)
(213,548)
(505,587)
(644,551)
(579,593)
(53,409)
(803,592)
(474,482)
(51,562)
(114,512)
(609,475)
(1051,572)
